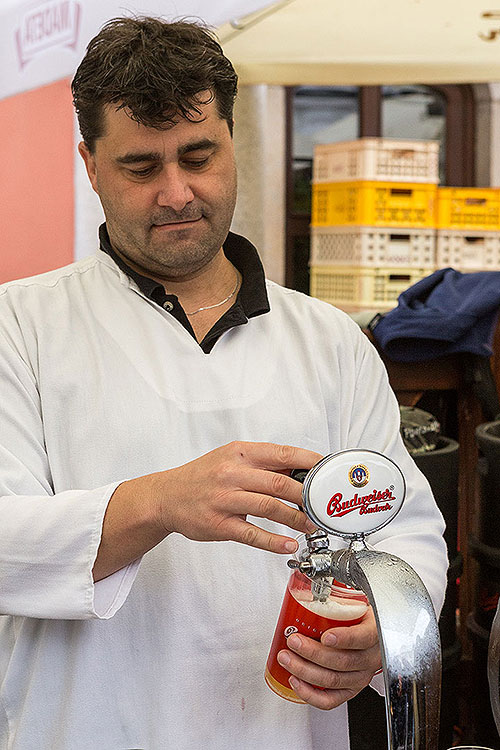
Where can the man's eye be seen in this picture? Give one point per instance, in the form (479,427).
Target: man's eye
(142,172)
(196,163)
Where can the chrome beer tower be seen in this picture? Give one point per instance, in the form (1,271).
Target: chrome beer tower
(406,621)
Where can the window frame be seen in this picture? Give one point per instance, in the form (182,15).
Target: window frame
(460,139)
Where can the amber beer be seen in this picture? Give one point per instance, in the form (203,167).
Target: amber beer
(301,614)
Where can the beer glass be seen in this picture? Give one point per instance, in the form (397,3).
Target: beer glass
(302,613)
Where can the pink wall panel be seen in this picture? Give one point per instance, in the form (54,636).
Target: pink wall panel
(36,181)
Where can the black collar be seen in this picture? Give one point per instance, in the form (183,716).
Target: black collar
(252,297)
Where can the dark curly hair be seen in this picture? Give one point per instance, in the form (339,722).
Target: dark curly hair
(156,69)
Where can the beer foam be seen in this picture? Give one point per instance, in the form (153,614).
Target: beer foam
(334,608)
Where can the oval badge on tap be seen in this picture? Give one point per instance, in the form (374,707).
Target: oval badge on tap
(353,492)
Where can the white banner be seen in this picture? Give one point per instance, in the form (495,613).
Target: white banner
(44,40)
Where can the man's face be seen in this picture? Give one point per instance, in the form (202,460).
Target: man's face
(168,195)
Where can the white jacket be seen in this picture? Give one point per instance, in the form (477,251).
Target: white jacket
(99,385)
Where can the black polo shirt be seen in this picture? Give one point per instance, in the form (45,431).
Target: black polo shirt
(251,300)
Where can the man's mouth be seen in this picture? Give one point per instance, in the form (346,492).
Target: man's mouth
(176,223)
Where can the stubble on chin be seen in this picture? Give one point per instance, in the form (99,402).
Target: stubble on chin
(173,259)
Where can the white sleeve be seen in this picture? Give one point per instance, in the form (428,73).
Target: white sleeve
(48,541)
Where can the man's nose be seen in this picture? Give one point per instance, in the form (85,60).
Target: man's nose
(174,189)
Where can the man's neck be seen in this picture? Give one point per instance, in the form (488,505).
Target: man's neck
(204,295)
(208,295)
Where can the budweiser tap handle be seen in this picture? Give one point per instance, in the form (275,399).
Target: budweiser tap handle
(353,493)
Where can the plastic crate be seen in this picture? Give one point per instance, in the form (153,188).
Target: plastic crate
(468,208)
(468,251)
(380,204)
(377,159)
(373,246)
(352,288)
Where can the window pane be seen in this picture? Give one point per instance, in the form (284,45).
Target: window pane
(417,113)
(321,114)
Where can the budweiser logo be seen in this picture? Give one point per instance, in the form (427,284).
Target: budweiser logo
(375,502)
(53,23)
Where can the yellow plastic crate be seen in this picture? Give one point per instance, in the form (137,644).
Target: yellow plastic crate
(380,204)
(377,159)
(468,208)
(352,288)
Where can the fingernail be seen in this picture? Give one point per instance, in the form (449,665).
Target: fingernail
(291,546)
(294,641)
(310,525)
(283,658)
(330,639)
(294,682)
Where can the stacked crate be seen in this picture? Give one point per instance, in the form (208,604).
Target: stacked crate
(373,220)
(468,225)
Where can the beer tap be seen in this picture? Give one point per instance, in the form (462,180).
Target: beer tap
(352,494)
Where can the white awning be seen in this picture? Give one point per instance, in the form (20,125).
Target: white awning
(363,42)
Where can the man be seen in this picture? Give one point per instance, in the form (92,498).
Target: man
(155,398)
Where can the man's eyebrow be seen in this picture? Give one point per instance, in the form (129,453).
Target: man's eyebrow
(137,157)
(201,145)
(205,144)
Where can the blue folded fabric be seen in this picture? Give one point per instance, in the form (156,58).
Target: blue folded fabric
(444,313)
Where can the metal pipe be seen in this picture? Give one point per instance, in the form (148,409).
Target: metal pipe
(409,638)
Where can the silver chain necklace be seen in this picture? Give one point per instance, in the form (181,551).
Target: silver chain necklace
(217,304)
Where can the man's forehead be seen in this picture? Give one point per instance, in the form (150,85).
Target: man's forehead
(204,105)
(121,114)
(119,123)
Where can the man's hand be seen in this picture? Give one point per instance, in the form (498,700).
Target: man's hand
(207,499)
(210,498)
(342,667)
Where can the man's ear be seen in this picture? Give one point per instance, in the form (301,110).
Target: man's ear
(90,164)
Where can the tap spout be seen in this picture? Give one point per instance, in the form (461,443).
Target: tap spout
(409,638)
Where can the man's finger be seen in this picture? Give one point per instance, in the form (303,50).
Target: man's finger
(264,506)
(247,533)
(323,699)
(361,636)
(276,456)
(273,483)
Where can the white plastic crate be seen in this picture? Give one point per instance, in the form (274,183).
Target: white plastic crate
(385,159)
(373,246)
(352,288)
(468,251)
